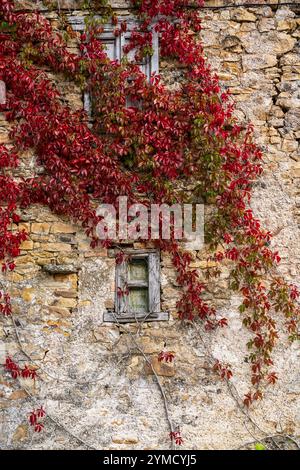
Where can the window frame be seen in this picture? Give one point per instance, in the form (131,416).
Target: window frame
(121,313)
(151,62)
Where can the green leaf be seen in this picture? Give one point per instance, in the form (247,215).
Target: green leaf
(259,446)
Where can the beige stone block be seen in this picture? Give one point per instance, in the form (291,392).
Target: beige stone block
(292,119)
(258,61)
(289,145)
(42,254)
(14,292)
(288,102)
(39,239)
(241,14)
(291,76)
(97,253)
(225,77)
(42,260)
(69,294)
(106,334)
(21,433)
(247,27)
(84,303)
(55,329)
(150,345)
(266,24)
(25,226)
(57,247)
(3,405)
(74,100)
(296,34)
(27,268)
(18,395)
(40,228)
(282,42)
(84,246)
(62,228)
(21,226)
(163,334)
(203,264)
(59,323)
(288,24)
(72,279)
(65,302)
(26,245)
(162,369)
(26,259)
(290,59)
(59,311)
(27,294)
(232,67)
(275,140)
(125,440)
(109,304)
(15,277)
(54,284)
(277,112)
(4,138)
(117,422)
(229,56)
(295,170)
(67,259)
(273,131)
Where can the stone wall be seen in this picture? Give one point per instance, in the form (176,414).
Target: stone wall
(93,382)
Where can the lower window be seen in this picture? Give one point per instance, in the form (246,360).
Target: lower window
(137,288)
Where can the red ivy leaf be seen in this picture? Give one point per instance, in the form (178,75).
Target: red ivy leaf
(38,427)
(166,356)
(32,418)
(176,436)
(272,378)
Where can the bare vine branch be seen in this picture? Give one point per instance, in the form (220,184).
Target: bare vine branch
(147,360)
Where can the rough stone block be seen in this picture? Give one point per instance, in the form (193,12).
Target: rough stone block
(57,247)
(26,245)
(241,14)
(162,369)
(62,228)
(40,227)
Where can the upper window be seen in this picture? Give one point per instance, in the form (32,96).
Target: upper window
(137,289)
(115,49)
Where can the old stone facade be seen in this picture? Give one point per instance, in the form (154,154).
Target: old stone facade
(95,383)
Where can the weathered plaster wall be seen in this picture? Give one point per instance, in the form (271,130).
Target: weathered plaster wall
(93,380)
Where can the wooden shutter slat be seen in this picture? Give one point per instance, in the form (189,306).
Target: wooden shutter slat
(154,282)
